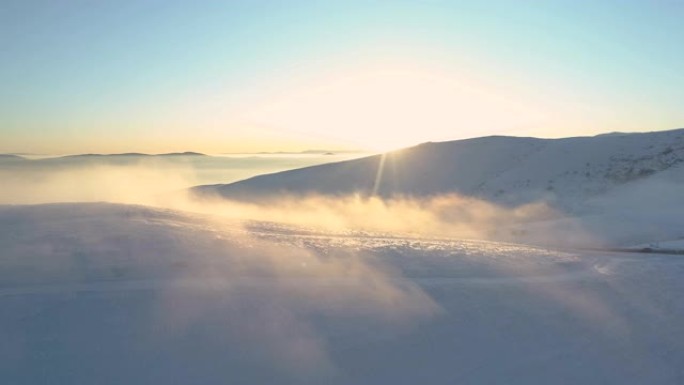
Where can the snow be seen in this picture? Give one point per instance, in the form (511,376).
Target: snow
(110,294)
(576,276)
(506,170)
(623,189)
(673,247)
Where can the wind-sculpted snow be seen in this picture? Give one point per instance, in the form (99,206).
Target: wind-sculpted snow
(110,294)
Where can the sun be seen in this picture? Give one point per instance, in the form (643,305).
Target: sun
(384,108)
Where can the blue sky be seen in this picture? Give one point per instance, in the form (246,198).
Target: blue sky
(282,75)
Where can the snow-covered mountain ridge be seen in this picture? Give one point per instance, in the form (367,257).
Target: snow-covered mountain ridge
(506,170)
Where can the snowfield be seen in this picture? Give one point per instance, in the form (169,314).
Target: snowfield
(102,293)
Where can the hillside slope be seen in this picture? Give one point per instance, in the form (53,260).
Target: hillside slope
(506,170)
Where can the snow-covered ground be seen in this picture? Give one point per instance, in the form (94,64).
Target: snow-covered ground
(505,170)
(110,294)
(613,190)
(357,272)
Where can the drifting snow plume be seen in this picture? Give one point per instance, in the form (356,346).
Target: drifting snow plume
(157,184)
(265,297)
(449,216)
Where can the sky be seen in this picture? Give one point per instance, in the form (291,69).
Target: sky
(244,76)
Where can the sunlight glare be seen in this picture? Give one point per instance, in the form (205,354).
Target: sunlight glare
(383,109)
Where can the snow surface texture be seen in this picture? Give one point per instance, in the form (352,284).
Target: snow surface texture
(112,294)
(626,188)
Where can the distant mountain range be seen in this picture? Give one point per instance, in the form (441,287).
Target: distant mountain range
(128,155)
(11,157)
(506,170)
(306,152)
(171,154)
(132,154)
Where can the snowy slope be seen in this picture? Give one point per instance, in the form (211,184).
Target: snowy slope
(112,294)
(507,170)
